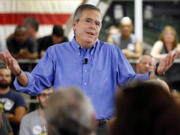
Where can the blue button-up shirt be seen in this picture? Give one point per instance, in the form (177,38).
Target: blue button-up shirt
(64,65)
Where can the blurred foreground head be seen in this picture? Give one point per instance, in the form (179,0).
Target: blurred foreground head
(69,112)
(146,108)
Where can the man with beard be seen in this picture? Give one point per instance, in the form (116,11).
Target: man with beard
(34,122)
(11,102)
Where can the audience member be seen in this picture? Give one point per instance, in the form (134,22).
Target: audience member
(168,41)
(144,64)
(5,127)
(146,108)
(130,45)
(86,62)
(32,26)
(56,37)
(69,112)
(22,46)
(11,102)
(34,122)
(113,30)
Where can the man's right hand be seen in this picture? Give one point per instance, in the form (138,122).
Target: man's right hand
(10,62)
(13,65)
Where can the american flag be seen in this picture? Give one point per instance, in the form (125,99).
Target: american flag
(47,12)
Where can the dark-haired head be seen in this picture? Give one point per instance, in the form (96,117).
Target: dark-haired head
(146,108)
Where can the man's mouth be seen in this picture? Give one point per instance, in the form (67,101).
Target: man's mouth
(90,33)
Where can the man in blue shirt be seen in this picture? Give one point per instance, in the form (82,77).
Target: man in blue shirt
(96,67)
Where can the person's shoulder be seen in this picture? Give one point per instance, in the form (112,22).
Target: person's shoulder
(15,95)
(31,41)
(30,116)
(133,37)
(59,46)
(158,43)
(109,46)
(11,39)
(116,36)
(14,92)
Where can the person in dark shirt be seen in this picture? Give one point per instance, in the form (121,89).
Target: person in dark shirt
(56,37)
(12,103)
(22,46)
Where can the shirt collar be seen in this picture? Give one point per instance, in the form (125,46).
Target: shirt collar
(77,47)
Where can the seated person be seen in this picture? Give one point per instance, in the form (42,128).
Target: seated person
(144,64)
(56,37)
(35,121)
(21,46)
(12,103)
(168,41)
(32,26)
(130,45)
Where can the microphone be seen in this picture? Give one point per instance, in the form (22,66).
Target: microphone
(85,61)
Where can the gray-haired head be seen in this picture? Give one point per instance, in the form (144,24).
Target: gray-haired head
(81,8)
(69,112)
(32,22)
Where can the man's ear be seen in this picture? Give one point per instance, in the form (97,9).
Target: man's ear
(74,25)
(37,99)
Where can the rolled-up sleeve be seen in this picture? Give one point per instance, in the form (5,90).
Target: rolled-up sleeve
(41,77)
(125,72)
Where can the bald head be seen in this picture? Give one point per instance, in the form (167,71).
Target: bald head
(126,27)
(126,20)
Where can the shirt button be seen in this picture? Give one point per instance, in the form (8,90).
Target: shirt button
(85,70)
(85,83)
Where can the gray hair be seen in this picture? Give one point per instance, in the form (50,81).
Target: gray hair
(146,55)
(69,112)
(81,8)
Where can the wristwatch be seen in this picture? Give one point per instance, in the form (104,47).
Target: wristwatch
(18,74)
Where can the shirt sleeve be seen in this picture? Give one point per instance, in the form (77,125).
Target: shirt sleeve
(24,127)
(41,77)
(125,72)
(20,100)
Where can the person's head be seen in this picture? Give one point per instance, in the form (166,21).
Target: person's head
(5,77)
(32,25)
(162,83)
(126,27)
(145,64)
(57,34)
(20,34)
(87,24)
(69,112)
(169,36)
(43,97)
(146,108)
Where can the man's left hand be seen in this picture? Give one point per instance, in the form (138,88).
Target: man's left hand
(166,63)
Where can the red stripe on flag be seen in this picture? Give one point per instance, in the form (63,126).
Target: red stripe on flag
(47,18)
